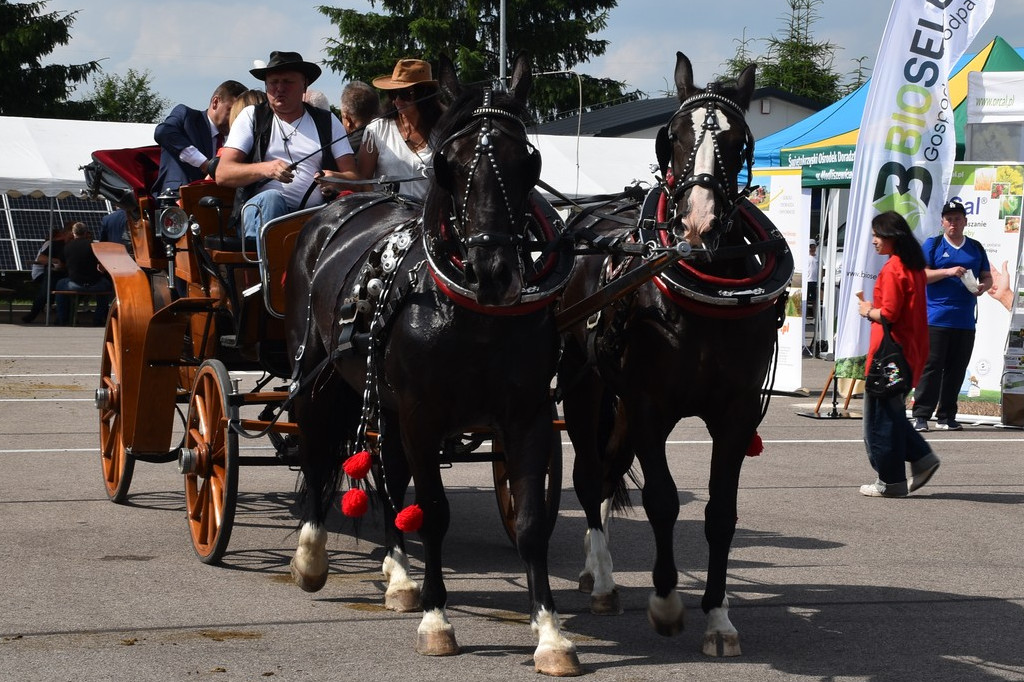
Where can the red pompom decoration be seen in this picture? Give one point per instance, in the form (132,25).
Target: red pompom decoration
(409,519)
(354,503)
(756,446)
(358,465)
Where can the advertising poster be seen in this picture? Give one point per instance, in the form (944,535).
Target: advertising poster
(779,196)
(992,195)
(905,148)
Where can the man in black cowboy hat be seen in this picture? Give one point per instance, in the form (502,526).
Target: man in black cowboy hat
(275,150)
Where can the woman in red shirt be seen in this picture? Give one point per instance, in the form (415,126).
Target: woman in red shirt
(899,297)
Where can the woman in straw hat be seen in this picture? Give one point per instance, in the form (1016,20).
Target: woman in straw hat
(397,145)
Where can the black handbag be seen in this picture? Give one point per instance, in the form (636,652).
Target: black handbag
(889,373)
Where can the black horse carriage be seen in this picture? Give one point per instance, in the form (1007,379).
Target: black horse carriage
(417,332)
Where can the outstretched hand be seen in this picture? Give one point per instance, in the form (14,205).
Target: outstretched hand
(1001,290)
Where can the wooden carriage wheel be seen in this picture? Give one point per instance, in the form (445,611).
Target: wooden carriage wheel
(209,462)
(503,490)
(118,465)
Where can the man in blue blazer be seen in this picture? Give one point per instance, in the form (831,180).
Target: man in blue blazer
(189,138)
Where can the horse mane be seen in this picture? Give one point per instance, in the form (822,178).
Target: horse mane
(458,114)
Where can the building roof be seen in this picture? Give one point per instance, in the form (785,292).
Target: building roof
(629,117)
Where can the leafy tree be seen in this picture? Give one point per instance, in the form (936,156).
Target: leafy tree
(27,88)
(557,36)
(127,98)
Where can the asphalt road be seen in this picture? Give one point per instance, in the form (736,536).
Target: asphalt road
(824,584)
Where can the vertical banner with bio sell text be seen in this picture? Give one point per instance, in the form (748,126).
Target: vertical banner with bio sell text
(992,195)
(906,146)
(779,196)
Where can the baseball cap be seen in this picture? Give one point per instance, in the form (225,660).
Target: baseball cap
(954,206)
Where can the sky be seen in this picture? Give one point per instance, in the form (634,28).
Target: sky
(190,46)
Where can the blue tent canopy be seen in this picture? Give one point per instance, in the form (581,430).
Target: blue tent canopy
(842,120)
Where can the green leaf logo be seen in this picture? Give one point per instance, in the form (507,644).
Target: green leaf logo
(907,205)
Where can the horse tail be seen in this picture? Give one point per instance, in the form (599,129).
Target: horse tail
(619,456)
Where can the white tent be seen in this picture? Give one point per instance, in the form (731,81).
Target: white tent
(584,166)
(43,157)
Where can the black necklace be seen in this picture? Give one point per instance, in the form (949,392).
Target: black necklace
(287,137)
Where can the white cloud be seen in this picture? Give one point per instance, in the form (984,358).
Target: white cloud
(190,46)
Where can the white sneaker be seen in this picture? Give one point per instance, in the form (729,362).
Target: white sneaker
(880,489)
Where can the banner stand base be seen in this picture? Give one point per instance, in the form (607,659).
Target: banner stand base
(836,413)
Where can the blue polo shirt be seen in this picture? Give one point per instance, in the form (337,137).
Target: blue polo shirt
(950,304)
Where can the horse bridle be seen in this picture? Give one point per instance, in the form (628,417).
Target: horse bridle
(483,115)
(720,183)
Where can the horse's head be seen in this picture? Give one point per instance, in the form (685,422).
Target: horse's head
(484,170)
(706,143)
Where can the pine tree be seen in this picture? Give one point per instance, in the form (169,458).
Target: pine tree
(557,36)
(27,88)
(795,62)
(798,64)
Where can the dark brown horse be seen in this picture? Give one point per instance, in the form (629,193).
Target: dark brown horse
(422,323)
(696,341)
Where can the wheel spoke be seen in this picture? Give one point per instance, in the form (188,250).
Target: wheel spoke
(202,495)
(217,499)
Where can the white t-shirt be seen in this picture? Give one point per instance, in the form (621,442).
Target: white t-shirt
(394,158)
(291,142)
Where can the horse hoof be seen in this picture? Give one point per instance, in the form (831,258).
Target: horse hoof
(719,644)
(403,601)
(308,583)
(666,615)
(667,629)
(606,604)
(586,583)
(436,643)
(557,663)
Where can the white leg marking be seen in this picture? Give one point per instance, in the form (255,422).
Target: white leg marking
(396,563)
(402,593)
(590,571)
(606,516)
(599,562)
(435,635)
(666,615)
(720,630)
(555,654)
(311,554)
(548,629)
(434,621)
